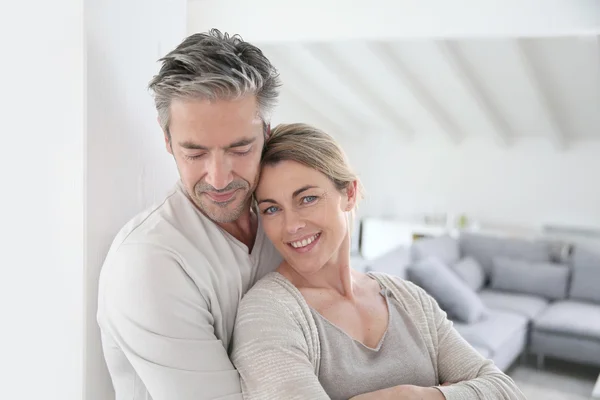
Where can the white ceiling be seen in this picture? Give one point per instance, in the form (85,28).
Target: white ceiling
(504,89)
(501,70)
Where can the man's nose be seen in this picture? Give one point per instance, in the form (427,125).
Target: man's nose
(219,173)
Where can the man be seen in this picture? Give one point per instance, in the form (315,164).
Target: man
(171,283)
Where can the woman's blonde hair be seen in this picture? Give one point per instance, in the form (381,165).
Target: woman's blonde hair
(313,148)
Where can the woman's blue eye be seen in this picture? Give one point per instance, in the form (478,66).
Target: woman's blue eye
(270,210)
(309,199)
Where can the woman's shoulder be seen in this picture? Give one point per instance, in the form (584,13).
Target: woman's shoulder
(272,285)
(405,290)
(271,310)
(393,281)
(273,296)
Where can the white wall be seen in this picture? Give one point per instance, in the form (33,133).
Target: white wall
(526,185)
(41,172)
(128,167)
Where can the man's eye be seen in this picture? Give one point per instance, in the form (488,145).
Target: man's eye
(195,156)
(242,152)
(309,199)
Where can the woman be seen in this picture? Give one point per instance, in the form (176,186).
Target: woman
(317,329)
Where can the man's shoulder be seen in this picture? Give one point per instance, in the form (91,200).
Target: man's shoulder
(158,221)
(156,241)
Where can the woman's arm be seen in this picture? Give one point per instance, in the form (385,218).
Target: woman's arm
(470,374)
(271,350)
(403,392)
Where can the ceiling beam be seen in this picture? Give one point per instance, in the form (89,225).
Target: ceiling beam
(324,106)
(268,21)
(436,111)
(367,95)
(459,67)
(552,113)
(301,106)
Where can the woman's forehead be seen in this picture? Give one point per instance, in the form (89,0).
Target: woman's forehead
(286,177)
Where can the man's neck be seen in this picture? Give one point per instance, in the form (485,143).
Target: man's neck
(244,228)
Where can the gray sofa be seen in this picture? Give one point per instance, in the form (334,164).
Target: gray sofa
(508,297)
(570,329)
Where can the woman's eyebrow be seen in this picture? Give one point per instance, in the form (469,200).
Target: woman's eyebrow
(266,201)
(302,189)
(296,193)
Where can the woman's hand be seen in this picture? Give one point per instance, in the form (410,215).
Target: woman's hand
(403,392)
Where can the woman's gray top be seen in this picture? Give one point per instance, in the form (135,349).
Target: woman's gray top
(278,353)
(400,358)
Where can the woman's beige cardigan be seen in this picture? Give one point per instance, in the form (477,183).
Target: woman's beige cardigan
(276,346)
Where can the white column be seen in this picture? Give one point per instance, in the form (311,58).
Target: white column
(128,167)
(41,199)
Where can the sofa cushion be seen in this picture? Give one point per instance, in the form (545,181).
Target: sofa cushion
(543,279)
(444,248)
(453,295)
(485,248)
(523,304)
(470,271)
(494,331)
(586,275)
(570,317)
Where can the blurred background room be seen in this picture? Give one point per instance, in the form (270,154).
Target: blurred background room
(473,125)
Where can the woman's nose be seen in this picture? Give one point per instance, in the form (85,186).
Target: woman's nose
(293,222)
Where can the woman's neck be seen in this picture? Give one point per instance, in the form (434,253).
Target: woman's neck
(335,275)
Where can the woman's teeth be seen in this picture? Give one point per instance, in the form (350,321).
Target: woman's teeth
(305,242)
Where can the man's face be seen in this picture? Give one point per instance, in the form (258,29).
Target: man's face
(217,148)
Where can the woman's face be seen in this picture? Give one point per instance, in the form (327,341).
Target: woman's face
(303,214)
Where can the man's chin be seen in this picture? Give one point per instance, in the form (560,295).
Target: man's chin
(223,213)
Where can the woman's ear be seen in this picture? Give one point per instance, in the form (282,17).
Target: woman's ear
(351,193)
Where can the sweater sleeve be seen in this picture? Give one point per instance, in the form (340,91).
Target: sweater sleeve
(271,349)
(470,374)
(157,317)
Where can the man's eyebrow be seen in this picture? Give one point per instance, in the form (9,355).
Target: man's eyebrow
(194,146)
(241,143)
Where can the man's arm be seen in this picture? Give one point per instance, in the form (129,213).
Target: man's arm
(156,315)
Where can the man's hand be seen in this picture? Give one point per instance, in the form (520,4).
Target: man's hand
(403,392)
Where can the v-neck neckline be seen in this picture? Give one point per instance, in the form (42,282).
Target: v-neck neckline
(358,342)
(386,295)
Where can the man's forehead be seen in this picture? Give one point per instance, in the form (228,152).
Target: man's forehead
(246,106)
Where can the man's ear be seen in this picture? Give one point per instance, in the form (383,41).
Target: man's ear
(166,136)
(267,131)
(351,193)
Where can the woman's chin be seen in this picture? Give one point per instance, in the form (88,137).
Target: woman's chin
(305,266)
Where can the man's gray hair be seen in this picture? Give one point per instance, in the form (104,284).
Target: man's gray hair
(215,66)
